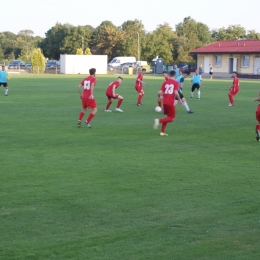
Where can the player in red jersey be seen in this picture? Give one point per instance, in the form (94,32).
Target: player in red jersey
(111,94)
(169,91)
(87,96)
(257,113)
(139,86)
(233,89)
(159,100)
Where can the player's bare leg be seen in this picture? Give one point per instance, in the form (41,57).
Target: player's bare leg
(108,105)
(6,90)
(118,109)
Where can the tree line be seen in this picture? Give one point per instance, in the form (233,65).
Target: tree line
(173,45)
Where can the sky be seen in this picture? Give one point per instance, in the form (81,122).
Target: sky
(40,15)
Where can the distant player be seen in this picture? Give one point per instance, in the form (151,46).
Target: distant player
(196,83)
(3,79)
(200,70)
(210,71)
(181,79)
(233,90)
(257,127)
(87,96)
(111,94)
(177,71)
(168,91)
(139,83)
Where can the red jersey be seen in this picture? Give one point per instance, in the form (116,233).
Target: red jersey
(236,83)
(168,88)
(87,82)
(109,90)
(137,83)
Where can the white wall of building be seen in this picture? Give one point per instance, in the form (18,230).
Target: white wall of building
(80,64)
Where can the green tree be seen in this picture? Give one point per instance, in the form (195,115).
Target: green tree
(107,39)
(252,35)
(232,32)
(26,43)
(38,61)
(160,43)
(2,56)
(132,30)
(65,39)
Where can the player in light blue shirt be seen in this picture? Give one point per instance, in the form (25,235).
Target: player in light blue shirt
(180,78)
(3,79)
(196,83)
(177,71)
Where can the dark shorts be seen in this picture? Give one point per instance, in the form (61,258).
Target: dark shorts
(181,96)
(211,73)
(195,86)
(4,84)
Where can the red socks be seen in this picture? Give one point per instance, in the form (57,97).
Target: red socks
(120,102)
(108,105)
(159,103)
(90,117)
(81,114)
(164,122)
(139,99)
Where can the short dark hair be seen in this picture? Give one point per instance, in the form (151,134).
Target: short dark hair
(92,71)
(143,69)
(172,73)
(164,71)
(235,72)
(120,78)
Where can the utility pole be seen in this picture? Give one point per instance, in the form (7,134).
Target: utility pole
(138,46)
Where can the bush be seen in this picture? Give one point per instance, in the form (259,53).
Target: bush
(38,61)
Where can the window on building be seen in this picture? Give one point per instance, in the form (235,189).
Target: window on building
(245,61)
(217,60)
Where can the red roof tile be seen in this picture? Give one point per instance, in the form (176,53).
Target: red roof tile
(237,46)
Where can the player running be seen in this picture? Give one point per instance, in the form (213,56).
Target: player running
(257,127)
(3,79)
(168,91)
(233,90)
(139,86)
(196,83)
(87,96)
(111,94)
(181,79)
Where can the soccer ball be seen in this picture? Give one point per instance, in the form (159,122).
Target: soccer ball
(158,109)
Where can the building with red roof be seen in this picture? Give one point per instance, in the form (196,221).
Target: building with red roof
(242,56)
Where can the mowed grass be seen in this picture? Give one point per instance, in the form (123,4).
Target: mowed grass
(119,190)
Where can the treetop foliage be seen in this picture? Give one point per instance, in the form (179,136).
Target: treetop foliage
(171,44)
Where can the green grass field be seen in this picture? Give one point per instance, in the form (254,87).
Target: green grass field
(119,190)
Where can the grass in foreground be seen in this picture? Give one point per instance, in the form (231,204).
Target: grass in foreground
(119,190)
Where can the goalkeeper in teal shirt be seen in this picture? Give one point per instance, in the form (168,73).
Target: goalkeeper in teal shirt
(3,79)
